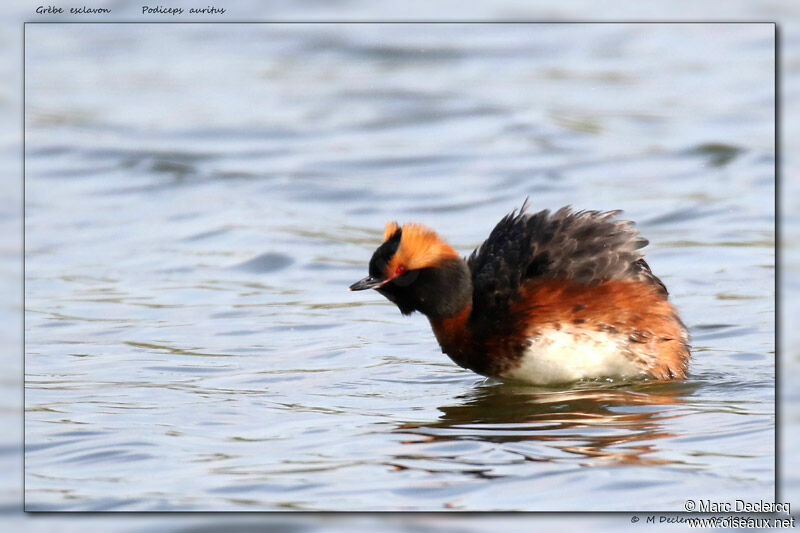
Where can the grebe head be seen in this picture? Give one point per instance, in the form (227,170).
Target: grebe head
(417,271)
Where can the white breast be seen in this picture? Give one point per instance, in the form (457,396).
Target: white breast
(562,356)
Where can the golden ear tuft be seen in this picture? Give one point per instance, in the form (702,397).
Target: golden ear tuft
(391,228)
(420,247)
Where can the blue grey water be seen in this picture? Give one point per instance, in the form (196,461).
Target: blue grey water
(199,197)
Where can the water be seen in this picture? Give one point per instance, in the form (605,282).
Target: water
(198,199)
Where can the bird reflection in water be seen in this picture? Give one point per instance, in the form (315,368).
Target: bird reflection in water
(605,423)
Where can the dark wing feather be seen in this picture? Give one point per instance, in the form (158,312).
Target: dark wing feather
(583,246)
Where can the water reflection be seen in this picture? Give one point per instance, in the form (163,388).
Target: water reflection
(606,423)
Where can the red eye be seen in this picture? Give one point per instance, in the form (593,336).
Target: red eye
(400,270)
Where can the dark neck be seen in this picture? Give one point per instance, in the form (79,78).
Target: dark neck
(444,291)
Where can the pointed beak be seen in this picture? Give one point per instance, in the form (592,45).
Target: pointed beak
(367,283)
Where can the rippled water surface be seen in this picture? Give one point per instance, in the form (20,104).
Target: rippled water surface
(199,197)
